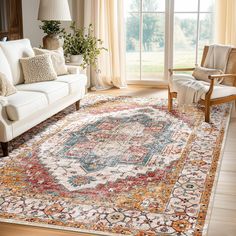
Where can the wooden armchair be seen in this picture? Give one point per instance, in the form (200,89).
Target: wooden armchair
(216,94)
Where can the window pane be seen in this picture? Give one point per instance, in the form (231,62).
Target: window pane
(186,5)
(153,46)
(154,5)
(132,5)
(133,46)
(206,34)
(185,34)
(207,6)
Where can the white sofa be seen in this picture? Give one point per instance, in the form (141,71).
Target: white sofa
(33,103)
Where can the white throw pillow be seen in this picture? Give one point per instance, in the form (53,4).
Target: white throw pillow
(57,57)
(6,87)
(38,69)
(202,73)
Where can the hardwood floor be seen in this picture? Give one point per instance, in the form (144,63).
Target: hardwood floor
(223,216)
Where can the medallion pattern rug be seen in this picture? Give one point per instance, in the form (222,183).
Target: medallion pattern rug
(120,165)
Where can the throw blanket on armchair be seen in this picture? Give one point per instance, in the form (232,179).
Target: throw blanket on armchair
(217,57)
(189,89)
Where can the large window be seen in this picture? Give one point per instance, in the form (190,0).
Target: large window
(162,32)
(193,28)
(145,39)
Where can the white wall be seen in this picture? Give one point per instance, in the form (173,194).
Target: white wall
(31,24)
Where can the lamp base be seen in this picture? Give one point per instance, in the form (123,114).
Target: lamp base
(52,42)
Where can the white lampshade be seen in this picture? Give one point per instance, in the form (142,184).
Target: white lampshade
(57,10)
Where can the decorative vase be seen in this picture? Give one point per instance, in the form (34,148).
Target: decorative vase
(76,59)
(52,42)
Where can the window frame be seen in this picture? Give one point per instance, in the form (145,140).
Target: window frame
(169,38)
(198,12)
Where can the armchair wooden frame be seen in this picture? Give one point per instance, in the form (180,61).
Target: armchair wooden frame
(208,102)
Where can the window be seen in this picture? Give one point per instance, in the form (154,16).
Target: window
(145,39)
(159,32)
(193,28)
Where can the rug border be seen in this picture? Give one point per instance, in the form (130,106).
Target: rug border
(216,178)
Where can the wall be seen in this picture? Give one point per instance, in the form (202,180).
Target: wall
(31,24)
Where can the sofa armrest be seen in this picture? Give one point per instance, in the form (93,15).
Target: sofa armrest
(5,124)
(3,101)
(73,69)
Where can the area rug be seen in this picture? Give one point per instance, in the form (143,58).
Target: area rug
(120,165)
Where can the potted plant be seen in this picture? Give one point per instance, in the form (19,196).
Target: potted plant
(82,46)
(53,31)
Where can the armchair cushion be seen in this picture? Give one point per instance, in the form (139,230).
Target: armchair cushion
(219,91)
(202,73)
(191,90)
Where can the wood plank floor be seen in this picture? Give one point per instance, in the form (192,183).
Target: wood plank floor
(223,217)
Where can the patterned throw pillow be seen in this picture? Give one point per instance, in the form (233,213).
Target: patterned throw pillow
(202,73)
(38,69)
(6,87)
(57,57)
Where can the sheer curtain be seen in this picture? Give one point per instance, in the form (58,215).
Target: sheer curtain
(226,22)
(107,17)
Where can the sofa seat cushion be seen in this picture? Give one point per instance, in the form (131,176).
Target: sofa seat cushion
(74,81)
(52,89)
(22,104)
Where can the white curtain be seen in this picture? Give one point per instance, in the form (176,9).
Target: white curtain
(107,17)
(226,22)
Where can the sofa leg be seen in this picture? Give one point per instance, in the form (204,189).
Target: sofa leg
(5,149)
(77,105)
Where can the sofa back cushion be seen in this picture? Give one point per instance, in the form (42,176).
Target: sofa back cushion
(58,59)
(14,51)
(5,67)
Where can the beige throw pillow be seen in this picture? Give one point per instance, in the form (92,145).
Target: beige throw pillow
(57,57)
(38,69)
(202,73)
(6,87)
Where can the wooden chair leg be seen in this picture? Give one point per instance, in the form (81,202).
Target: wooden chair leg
(77,105)
(170,100)
(207,111)
(5,149)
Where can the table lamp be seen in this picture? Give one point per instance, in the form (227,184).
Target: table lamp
(52,12)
